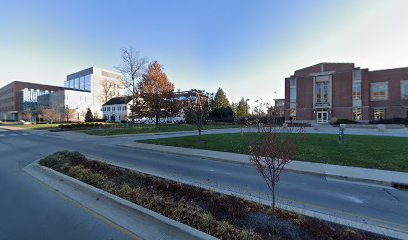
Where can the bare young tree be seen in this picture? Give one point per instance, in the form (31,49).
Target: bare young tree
(109,89)
(50,114)
(96,115)
(197,110)
(68,113)
(27,115)
(270,154)
(131,67)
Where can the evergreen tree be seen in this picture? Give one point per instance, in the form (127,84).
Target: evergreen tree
(88,115)
(220,99)
(242,109)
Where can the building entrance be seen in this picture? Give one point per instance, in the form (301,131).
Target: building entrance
(322,117)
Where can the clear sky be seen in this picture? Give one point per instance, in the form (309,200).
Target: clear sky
(246,47)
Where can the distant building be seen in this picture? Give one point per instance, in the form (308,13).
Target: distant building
(90,81)
(325,91)
(82,90)
(19,98)
(117,109)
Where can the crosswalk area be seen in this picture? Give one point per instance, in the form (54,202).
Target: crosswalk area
(13,134)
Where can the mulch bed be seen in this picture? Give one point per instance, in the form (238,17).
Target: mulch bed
(222,216)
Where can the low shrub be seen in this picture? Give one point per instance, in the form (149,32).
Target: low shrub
(391,121)
(344,121)
(79,125)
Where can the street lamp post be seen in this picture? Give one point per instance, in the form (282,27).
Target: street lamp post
(246,107)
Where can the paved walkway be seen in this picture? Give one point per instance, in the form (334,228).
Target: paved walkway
(350,173)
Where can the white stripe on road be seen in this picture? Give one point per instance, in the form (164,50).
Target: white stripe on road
(14,134)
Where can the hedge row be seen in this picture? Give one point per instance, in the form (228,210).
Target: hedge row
(80,125)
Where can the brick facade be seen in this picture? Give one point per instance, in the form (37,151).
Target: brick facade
(325,91)
(10,99)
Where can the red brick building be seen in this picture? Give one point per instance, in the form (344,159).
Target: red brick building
(340,90)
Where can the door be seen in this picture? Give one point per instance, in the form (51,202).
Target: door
(322,117)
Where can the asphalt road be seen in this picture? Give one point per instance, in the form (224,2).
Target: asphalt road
(31,204)
(29,210)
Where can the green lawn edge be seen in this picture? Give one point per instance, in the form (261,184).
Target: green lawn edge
(152,129)
(377,152)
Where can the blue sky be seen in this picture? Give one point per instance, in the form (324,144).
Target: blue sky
(245,47)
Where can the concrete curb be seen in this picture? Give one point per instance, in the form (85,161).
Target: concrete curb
(310,213)
(365,175)
(141,222)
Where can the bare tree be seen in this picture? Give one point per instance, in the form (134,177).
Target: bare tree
(131,67)
(68,113)
(197,109)
(27,115)
(50,114)
(110,89)
(270,154)
(96,115)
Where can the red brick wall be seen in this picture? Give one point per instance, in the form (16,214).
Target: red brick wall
(395,107)
(304,110)
(338,67)
(287,98)
(308,70)
(342,101)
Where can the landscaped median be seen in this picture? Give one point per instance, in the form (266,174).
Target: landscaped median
(376,152)
(146,128)
(222,216)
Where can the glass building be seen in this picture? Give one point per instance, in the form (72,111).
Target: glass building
(34,99)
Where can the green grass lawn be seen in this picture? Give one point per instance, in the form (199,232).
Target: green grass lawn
(389,153)
(152,129)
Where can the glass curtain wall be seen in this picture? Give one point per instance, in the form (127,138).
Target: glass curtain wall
(80,83)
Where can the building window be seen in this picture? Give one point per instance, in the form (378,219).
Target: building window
(357,90)
(113,108)
(293,82)
(379,114)
(293,90)
(76,83)
(379,91)
(357,115)
(404,89)
(322,92)
(293,95)
(87,82)
(321,89)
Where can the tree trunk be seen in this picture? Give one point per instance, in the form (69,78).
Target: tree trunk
(157,122)
(273,199)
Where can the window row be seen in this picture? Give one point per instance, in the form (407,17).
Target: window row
(81,83)
(115,108)
(379,114)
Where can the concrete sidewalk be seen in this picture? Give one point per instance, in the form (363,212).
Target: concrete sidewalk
(382,177)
